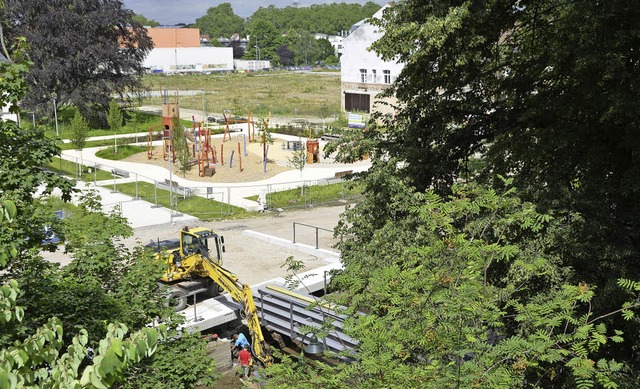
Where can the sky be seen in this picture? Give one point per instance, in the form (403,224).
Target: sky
(170,12)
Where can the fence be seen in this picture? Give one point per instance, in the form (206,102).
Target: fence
(209,200)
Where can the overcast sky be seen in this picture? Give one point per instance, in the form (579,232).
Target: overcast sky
(187,11)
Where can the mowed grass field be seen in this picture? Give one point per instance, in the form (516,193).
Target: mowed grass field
(291,94)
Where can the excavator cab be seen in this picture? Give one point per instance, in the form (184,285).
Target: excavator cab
(201,241)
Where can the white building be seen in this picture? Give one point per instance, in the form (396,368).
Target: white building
(363,74)
(189,59)
(335,40)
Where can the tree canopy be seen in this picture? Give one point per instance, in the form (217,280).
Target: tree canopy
(82,52)
(545,93)
(144,21)
(220,22)
(83,325)
(498,282)
(317,18)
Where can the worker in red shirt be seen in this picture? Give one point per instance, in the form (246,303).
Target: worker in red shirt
(245,359)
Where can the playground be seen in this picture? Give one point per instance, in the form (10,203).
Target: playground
(226,170)
(242,153)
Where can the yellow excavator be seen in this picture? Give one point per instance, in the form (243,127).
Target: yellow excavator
(192,269)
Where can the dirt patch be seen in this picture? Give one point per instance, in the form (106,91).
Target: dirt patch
(228,171)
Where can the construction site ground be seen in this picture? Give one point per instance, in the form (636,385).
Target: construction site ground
(255,258)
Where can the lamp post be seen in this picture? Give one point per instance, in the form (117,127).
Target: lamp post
(55,113)
(257,50)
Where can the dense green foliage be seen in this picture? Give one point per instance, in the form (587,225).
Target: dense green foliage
(321,18)
(68,327)
(480,284)
(546,93)
(168,368)
(144,21)
(276,33)
(220,22)
(38,349)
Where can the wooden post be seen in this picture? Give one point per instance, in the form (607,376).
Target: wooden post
(239,156)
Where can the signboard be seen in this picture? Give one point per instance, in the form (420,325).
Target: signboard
(356,120)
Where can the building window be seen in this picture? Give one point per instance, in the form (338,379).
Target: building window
(363,75)
(387,76)
(374,76)
(357,102)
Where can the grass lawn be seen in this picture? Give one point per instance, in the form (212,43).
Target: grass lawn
(104,142)
(313,195)
(281,93)
(70,169)
(197,206)
(124,151)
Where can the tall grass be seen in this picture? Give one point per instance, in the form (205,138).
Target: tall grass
(281,93)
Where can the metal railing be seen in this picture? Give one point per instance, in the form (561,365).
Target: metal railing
(317,229)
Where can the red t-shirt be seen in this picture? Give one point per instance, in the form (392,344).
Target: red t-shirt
(245,357)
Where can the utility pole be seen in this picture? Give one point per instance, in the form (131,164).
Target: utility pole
(55,114)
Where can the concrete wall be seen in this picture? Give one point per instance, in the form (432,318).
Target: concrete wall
(247,64)
(185,60)
(356,57)
(174,37)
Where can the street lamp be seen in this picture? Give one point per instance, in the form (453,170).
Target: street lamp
(314,347)
(55,114)
(257,50)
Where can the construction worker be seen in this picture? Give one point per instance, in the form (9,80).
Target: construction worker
(245,359)
(238,343)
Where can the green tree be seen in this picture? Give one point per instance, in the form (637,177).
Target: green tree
(461,292)
(180,362)
(543,92)
(23,156)
(79,131)
(322,18)
(143,21)
(305,47)
(114,119)
(264,39)
(298,160)
(43,340)
(93,51)
(323,51)
(42,358)
(220,22)
(183,154)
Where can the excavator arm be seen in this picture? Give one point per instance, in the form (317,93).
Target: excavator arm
(242,294)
